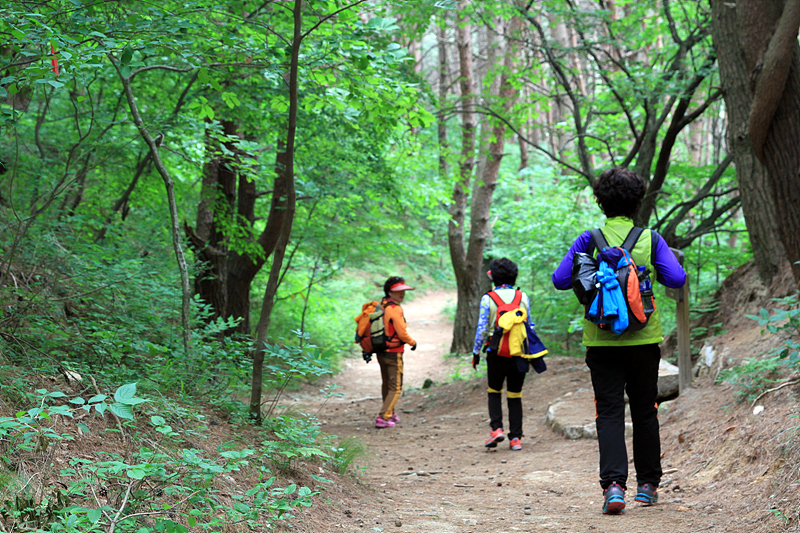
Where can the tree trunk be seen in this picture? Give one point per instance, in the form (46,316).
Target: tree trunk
(465,278)
(123,200)
(469,284)
(74,198)
(216,209)
(285,172)
(769,41)
(173,211)
(755,188)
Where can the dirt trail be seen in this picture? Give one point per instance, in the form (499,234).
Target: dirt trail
(432,473)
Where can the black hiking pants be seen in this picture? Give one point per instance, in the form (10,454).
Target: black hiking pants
(500,369)
(616,370)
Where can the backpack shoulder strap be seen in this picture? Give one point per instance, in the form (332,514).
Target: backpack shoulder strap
(495,297)
(517,298)
(630,240)
(654,236)
(597,241)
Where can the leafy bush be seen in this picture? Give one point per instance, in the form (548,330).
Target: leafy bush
(756,375)
(753,376)
(785,323)
(142,491)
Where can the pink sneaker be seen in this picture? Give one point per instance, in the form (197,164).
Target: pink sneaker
(381,423)
(494,437)
(394,418)
(515,444)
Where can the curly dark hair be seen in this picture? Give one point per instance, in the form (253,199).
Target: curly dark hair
(392,281)
(619,192)
(504,271)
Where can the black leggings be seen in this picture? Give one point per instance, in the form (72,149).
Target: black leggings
(616,370)
(500,369)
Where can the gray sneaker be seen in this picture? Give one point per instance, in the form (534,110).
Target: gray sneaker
(614,499)
(647,494)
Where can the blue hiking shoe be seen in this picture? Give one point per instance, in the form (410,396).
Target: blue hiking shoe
(614,499)
(647,494)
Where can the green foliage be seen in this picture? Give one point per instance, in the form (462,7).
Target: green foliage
(785,323)
(344,454)
(284,363)
(753,376)
(143,489)
(32,430)
(537,219)
(756,375)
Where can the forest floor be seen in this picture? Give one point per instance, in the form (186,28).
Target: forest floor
(728,469)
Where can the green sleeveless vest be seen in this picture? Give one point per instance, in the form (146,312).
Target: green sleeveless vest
(615,231)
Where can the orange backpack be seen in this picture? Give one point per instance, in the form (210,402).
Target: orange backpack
(371,329)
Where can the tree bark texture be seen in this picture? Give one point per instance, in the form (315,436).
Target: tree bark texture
(225,276)
(769,40)
(755,187)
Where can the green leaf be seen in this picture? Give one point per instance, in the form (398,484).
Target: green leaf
(122,410)
(84,427)
(94,515)
(127,394)
(127,54)
(137,472)
(63,410)
(157,420)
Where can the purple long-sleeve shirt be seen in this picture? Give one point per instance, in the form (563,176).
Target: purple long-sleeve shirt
(669,272)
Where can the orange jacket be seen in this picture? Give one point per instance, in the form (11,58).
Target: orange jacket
(395,324)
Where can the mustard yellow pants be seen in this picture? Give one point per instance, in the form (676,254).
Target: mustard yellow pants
(392,376)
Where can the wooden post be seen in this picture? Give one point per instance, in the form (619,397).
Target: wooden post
(681,296)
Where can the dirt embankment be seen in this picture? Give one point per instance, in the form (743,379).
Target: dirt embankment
(728,470)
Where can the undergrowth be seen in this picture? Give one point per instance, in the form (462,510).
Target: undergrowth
(756,375)
(157,480)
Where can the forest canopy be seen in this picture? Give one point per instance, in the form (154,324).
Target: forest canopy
(190,175)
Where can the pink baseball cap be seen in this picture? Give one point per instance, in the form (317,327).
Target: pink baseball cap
(400,286)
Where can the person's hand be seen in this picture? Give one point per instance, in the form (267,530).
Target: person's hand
(414,347)
(367,356)
(476,359)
